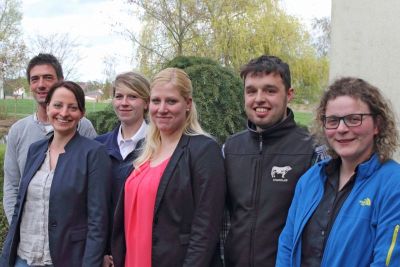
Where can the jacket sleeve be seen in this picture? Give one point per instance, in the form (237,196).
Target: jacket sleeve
(98,201)
(12,175)
(286,239)
(208,178)
(387,239)
(85,128)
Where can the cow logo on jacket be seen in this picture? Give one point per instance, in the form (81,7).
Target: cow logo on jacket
(278,173)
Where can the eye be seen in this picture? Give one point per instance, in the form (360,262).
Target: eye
(74,108)
(34,79)
(331,121)
(353,118)
(132,97)
(118,97)
(48,77)
(250,90)
(171,101)
(155,101)
(57,105)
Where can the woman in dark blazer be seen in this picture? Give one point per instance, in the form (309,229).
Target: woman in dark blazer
(188,200)
(61,215)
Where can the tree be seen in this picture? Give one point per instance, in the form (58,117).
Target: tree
(61,45)
(230,31)
(322,32)
(12,47)
(168,25)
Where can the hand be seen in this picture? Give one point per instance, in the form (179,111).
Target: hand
(108,261)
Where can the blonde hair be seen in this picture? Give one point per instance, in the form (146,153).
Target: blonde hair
(181,81)
(387,139)
(136,82)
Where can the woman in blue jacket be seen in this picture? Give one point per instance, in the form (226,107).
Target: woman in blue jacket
(346,211)
(61,215)
(131,92)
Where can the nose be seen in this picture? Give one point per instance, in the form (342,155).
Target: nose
(259,96)
(163,107)
(41,82)
(342,126)
(124,100)
(64,111)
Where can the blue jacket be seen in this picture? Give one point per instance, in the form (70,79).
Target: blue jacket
(365,232)
(121,168)
(78,204)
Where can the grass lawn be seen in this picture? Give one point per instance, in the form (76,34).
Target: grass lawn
(24,107)
(303,118)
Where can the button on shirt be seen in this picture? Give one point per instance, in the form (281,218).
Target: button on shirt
(317,229)
(126,146)
(34,235)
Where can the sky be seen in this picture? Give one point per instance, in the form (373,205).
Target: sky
(92,24)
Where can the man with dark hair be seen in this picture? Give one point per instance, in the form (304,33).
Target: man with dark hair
(43,71)
(263,164)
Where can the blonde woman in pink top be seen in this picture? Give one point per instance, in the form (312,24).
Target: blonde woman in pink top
(170,211)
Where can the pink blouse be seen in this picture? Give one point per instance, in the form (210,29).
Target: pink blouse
(140,197)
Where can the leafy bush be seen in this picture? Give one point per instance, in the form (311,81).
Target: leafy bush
(218,94)
(104,120)
(3,219)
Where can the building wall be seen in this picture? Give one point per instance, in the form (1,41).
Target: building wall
(366,43)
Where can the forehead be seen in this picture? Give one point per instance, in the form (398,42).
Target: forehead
(343,105)
(43,69)
(123,89)
(63,94)
(164,89)
(262,78)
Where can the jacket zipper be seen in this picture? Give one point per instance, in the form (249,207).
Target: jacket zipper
(255,203)
(391,248)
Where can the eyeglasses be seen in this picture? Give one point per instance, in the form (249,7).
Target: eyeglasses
(351,120)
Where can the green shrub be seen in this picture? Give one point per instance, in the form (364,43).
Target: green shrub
(218,94)
(3,219)
(103,121)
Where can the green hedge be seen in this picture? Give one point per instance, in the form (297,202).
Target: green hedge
(3,219)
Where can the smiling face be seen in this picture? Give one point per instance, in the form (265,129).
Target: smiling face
(63,112)
(42,77)
(128,105)
(352,144)
(168,108)
(266,99)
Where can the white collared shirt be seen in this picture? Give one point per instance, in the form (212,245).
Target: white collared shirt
(126,146)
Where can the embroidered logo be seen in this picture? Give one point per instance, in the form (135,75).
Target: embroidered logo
(282,171)
(365,202)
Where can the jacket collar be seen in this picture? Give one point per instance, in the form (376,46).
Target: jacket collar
(169,170)
(276,130)
(363,171)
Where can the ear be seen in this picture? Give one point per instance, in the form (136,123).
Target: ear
(377,125)
(189,102)
(290,94)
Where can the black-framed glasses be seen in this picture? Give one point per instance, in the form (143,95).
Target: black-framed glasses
(351,120)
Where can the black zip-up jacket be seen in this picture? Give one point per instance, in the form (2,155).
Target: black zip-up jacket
(262,171)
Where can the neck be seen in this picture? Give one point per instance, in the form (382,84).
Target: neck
(167,147)
(60,141)
(41,113)
(130,130)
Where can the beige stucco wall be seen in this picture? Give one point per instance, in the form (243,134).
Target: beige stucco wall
(366,43)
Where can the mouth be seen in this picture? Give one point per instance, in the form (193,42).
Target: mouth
(345,141)
(261,110)
(62,120)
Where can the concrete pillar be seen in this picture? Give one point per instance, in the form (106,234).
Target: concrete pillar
(366,43)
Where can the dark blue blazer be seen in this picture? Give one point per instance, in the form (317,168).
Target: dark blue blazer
(121,168)
(78,204)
